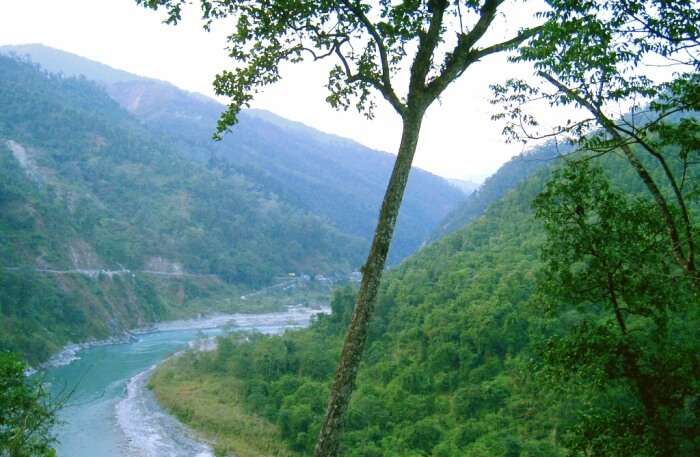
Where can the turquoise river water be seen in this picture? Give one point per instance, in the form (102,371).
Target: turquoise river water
(111,413)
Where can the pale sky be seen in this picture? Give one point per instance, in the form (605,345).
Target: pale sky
(458,139)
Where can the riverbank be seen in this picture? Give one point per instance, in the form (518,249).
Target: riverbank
(211,406)
(111,412)
(217,309)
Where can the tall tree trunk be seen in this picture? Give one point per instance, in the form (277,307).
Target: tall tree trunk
(356,338)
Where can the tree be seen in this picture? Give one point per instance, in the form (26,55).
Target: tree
(377,46)
(630,357)
(26,415)
(627,265)
(598,56)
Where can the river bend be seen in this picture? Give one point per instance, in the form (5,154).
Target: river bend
(111,413)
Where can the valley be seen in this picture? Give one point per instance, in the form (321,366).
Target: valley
(189,275)
(101,213)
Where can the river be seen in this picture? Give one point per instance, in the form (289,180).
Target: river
(111,413)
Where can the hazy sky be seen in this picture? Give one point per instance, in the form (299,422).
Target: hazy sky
(458,139)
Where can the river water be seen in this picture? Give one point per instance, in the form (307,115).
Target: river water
(111,413)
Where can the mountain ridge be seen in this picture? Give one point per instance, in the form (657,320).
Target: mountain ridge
(86,190)
(333,177)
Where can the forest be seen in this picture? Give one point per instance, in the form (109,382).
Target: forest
(554,313)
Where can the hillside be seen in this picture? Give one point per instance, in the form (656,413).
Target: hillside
(105,212)
(463,354)
(443,372)
(332,177)
(506,178)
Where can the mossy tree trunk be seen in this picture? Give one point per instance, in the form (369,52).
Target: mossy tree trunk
(356,338)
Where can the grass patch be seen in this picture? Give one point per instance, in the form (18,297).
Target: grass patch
(210,404)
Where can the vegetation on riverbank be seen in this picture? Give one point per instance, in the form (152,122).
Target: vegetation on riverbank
(213,406)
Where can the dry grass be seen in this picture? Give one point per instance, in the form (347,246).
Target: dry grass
(210,405)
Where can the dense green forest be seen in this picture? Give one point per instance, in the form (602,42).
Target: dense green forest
(479,348)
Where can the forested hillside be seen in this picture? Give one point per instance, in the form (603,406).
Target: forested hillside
(445,367)
(85,188)
(332,177)
(508,176)
(470,354)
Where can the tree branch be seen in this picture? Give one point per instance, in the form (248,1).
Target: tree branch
(351,77)
(384,86)
(427,42)
(508,44)
(690,258)
(609,126)
(464,55)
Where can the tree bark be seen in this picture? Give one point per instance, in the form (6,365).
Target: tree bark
(639,380)
(356,338)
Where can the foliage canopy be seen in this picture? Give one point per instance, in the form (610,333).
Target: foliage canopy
(26,415)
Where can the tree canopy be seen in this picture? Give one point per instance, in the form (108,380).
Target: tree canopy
(378,47)
(630,69)
(26,415)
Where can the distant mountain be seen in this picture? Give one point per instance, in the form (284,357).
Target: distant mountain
(508,176)
(329,176)
(56,61)
(467,187)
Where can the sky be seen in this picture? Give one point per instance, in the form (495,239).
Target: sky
(458,138)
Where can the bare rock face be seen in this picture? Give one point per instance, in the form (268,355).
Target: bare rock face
(83,256)
(23,157)
(161,265)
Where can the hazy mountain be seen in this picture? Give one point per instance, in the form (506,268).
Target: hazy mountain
(508,176)
(466,186)
(332,177)
(56,61)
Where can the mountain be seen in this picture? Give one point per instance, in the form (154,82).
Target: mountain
(508,176)
(117,209)
(56,61)
(467,187)
(105,226)
(329,176)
